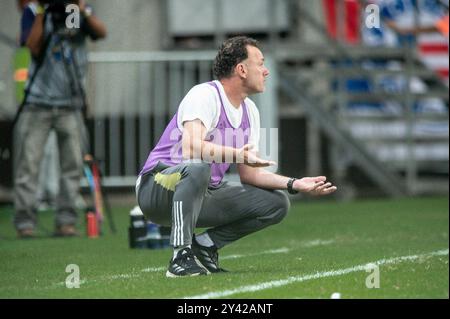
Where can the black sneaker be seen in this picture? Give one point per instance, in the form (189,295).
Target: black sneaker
(207,256)
(184,264)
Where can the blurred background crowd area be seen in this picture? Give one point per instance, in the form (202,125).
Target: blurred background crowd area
(364,103)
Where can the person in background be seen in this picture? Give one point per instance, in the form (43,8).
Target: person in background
(54,102)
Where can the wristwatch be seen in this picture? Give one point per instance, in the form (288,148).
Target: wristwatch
(290,183)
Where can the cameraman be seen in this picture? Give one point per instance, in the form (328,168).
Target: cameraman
(55,99)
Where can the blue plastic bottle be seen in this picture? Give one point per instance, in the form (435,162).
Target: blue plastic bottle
(153,236)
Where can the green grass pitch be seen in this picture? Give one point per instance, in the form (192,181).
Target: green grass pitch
(322,247)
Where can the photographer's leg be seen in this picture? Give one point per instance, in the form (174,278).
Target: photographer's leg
(69,145)
(48,181)
(30,136)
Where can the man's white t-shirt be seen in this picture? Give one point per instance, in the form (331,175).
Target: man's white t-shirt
(202,102)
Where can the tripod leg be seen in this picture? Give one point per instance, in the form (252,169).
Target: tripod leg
(102,193)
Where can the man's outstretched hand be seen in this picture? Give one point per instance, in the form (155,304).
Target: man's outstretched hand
(314,185)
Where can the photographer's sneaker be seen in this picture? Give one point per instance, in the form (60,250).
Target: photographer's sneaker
(66,231)
(184,264)
(26,233)
(207,256)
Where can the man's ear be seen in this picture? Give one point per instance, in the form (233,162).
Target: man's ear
(241,70)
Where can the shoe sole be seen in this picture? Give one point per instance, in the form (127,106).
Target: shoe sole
(171,275)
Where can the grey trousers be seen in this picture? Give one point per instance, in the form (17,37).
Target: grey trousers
(30,137)
(179,197)
(48,180)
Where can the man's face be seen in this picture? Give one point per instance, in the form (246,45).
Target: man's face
(255,70)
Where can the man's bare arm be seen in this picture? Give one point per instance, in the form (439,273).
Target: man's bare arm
(35,39)
(195,147)
(94,23)
(265,179)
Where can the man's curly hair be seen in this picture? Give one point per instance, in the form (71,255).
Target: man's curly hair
(231,52)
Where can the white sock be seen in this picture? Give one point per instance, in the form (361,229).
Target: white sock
(204,240)
(177,249)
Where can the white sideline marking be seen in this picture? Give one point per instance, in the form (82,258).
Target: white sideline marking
(272,251)
(102,278)
(331,273)
(153,269)
(159,269)
(317,242)
(283,250)
(63,283)
(122,276)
